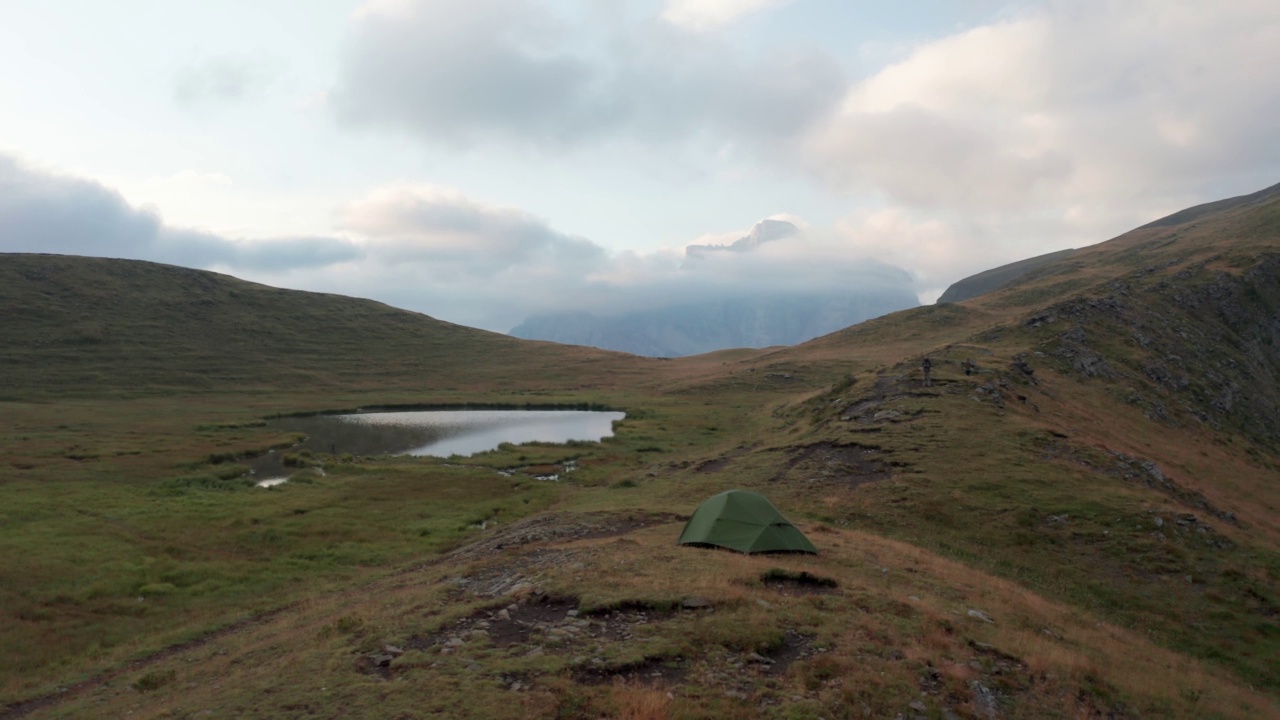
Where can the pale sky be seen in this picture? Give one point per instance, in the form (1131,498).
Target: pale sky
(483,160)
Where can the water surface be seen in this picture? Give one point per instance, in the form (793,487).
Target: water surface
(442,433)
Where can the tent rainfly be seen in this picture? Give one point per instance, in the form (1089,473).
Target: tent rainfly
(744,521)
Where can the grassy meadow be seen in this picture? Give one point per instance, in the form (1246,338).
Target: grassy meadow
(1068,529)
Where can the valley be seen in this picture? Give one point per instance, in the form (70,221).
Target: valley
(1077,515)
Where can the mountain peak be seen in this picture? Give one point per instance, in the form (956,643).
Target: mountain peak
(767,230)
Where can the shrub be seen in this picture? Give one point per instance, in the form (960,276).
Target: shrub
(153,681)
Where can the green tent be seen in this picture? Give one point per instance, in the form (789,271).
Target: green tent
(744,521)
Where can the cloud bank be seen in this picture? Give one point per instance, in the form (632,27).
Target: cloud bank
(469,72)
(1051,126)
(439,252)
(1051,101)
(48,213)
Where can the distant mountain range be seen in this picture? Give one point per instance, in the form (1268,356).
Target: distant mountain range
(755,321)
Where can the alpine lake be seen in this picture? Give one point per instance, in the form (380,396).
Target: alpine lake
(436,433)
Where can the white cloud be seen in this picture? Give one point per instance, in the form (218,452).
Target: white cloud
(1119,111)
(448,233)
(710,14)
(1114,104)
(215,202)
(471,72)
(434,250)
(50,213)
(437,251)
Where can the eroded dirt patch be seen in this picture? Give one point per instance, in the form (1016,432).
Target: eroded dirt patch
(714,465)
(648,671)
(794,647)
(795,584)
(558,526)
(541,624)
(830,463)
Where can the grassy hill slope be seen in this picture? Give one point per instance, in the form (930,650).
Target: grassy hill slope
(1077,516)
(89,326)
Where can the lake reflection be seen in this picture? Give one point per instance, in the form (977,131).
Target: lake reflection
(442,433)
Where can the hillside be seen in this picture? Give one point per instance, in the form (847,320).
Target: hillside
(1077,517)
(78,326)
(996,278)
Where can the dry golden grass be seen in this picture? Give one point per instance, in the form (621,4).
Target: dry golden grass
(637,702)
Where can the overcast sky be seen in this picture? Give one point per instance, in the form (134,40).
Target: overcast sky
(481,160)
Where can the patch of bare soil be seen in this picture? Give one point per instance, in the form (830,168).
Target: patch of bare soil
(558,526)
(714,465)
(848,465)
(797,584)
(794,647)
(514,624)
(542,622)
(648,671)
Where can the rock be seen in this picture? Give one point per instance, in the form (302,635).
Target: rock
(917,706)
(503,615)
(696,603)
(759,659)
(764,603)
(392,650)
(572,614)
(979,615)
(984,700)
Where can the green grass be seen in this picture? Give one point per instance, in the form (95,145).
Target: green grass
(127,525)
